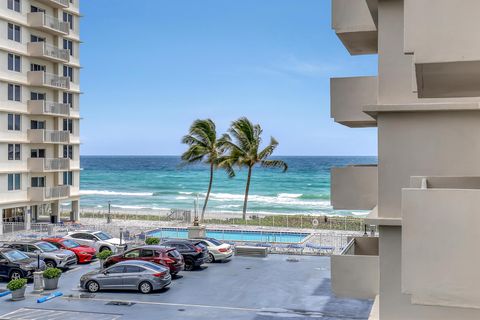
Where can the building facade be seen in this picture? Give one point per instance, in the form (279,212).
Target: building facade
(39,110)
(424,194)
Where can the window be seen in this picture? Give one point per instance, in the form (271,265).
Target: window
(68,125)
(14,92)
(68,152)
(36,9)
(133,269)
(37,67)
(38,182)
(117,269)
(37,153)
(68,178)
(13,5)
(14,181)
(68,98)
(14,122)
(68,72)
(35,124)
(34,38)
(67,17)
(38,96)
(14,32)
(14,152)
(147,253)
(132,254)
(68,45)
(14,62)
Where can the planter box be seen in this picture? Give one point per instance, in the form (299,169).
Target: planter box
(19,294)
(50,284)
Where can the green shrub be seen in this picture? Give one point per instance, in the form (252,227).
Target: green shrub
(152,241)
(104,254)
(52,273)
(16,284)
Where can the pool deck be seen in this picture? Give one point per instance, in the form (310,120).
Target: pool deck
(244,288)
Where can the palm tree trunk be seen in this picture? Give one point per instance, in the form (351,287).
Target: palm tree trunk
(208,193)
(247,189)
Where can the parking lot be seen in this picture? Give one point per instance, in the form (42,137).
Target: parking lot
(278,286)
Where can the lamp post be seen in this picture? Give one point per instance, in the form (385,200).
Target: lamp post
(109,217)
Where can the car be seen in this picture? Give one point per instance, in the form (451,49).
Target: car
(166,256)
(84,253)
(53,257)
(217,250)
(15,264)
(128,275)
(194,256)
(99,240)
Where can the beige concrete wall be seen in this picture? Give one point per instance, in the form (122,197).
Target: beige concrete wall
(354,187)
(348,96)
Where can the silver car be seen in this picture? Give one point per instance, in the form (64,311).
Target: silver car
(128,275)
(53,257)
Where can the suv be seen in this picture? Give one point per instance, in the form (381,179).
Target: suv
(84,253)
(194,256)
(53,257)
(97,239)
(15,264)
(166,256)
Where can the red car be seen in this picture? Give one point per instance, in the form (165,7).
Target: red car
(166,256)
(84,253)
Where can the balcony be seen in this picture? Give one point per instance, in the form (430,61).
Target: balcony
(48,136)
(48,51)
(48,193)
(354,187)
(56,3)
(355,26)
(48,108)
(348,96)
(43,79)
(48,165)
(355,272)
(440,237)
(44,22)
(446,55)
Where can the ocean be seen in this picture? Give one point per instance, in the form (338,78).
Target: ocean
(153,183)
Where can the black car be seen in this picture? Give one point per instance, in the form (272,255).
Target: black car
(193,255)
(15,264)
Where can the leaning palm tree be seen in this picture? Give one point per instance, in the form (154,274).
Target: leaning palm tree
(243,144)
(203,147)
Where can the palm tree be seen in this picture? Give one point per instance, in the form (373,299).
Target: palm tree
(203,147)
(244,151)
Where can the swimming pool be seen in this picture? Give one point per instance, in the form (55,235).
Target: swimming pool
(234,235)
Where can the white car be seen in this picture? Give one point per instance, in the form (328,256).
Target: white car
(97,239)
(217,250)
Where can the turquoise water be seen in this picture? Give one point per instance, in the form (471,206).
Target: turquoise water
(160,183)
(233,235)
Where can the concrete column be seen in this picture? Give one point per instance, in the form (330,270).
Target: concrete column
(55,214)
(27,218)
(75,213)
(1,221)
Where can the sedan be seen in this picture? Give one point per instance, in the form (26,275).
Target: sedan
(84,253)
(128,275)
(217,250)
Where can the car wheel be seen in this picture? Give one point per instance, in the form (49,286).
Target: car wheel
(104,249)
(15,274)
(93,286)
(50,264)
(210,258)
(145,287)
(189,265)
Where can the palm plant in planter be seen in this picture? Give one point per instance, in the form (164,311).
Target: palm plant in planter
(102,256)
(17,287)
(51,277)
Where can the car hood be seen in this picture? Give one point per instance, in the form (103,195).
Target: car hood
(62,251)
(30,263)
(115,241)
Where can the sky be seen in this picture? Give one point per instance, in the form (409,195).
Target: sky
(149,70)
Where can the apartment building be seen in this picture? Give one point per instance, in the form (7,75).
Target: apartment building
(39,109)
(424,195)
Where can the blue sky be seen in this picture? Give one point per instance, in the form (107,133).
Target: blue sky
(150,69)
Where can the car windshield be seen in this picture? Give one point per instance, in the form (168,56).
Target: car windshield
(15,255)
(70,244)
(215,242)
(46,247)
(103,236)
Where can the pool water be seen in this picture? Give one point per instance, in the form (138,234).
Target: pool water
(234,235)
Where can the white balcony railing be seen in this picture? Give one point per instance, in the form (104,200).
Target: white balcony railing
(48,136)
(48,165)
(48,23)
(42,107)
(48,193)
(40,78)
